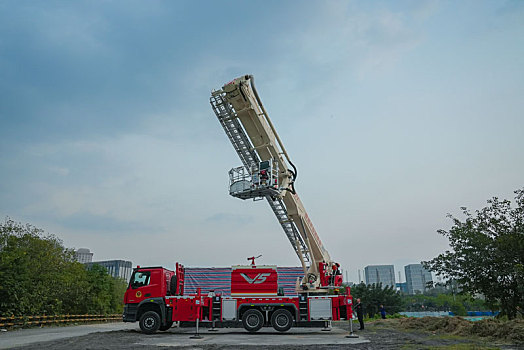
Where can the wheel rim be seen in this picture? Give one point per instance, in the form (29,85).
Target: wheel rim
(252,321)
(149,322)
(281,320)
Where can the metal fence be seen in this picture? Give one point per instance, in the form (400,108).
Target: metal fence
(56,319)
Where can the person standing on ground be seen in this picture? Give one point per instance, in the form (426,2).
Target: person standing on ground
(382,312)
(360,314)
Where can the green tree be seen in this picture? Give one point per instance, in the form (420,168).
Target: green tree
(458,304)
(99,292)
(118,290)
(487,253)
(458,308)
(31,270)
(75,289)
(374,295)
(38,275)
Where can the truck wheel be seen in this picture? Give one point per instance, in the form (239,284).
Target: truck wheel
(166,326)
(149,322)
(282,320)
(172,285)
(252,320)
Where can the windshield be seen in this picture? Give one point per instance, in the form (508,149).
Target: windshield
(140,279)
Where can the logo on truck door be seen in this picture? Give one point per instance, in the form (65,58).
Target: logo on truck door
(260,278)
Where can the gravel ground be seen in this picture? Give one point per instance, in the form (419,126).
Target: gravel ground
(381,336)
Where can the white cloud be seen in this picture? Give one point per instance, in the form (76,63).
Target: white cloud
(349,38)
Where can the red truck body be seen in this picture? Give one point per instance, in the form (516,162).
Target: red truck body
(155,298)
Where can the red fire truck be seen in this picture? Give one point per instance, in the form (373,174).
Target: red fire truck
(155,296)
(156,299)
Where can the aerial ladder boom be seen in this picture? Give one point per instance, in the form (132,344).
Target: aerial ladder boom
(268,173)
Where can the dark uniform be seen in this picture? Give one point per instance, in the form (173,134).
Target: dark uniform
(382,312)
(360,314)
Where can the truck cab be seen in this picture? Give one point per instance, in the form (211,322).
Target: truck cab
(145,297)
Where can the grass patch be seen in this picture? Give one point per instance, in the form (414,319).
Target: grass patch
(456,346)
(456,326)
(465,347)
(442,333)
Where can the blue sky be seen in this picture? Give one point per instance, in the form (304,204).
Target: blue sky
(395,113)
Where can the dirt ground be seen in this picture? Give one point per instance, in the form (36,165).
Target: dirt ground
(382,335)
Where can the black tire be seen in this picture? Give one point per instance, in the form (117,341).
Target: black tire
(282,320)
(172,285)
(252,320)
(149,322)
(166,326)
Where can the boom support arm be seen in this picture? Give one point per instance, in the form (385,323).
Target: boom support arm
(246,122)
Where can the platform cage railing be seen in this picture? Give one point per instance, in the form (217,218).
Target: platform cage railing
(256,183)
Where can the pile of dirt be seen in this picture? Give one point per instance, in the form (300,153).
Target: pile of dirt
(510,330)
(449,325)
(505,330)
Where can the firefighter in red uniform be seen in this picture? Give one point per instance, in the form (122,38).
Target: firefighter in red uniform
(263,177)
(336,271)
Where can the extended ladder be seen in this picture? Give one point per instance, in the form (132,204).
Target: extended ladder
(228,119)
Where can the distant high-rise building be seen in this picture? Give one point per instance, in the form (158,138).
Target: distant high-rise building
(83,255)
(116,268)
(402,287)
(384,274)
(417,278)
